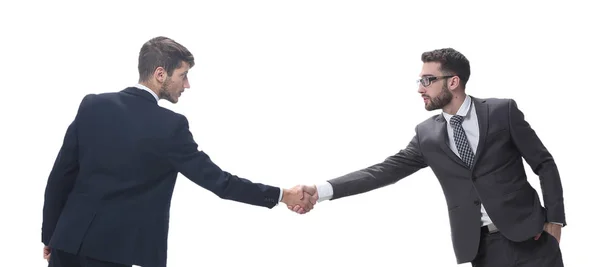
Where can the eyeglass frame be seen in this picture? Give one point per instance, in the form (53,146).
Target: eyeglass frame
(432,79)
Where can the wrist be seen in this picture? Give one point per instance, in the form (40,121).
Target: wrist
(285,195)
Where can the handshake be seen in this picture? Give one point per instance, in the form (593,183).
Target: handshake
(301,198)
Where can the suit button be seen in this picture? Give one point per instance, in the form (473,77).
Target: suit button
(476,202)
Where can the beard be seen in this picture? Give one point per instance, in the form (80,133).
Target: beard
(440,101)
(164,92)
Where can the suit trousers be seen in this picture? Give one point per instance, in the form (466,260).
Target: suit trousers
(495,250)
(59,258)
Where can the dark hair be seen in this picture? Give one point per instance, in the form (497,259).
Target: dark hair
(451,62)
(162,52)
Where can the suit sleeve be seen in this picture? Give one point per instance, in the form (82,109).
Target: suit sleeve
(404,163)
(62,178)
(183,154)
(541,162)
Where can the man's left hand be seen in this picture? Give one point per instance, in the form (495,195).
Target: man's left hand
(553,229)
(47,253)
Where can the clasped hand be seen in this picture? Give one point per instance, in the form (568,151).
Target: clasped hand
(301,198)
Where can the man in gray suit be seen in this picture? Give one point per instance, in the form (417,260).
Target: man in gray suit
(475,148)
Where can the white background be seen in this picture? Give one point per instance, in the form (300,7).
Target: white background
(289,92)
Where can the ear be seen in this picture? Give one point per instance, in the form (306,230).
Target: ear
(160,74)
(453,83)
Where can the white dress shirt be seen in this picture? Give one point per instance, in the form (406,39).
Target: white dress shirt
(142,87)
(471,126)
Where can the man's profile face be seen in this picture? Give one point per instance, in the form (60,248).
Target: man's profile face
(433,87)
(175,84)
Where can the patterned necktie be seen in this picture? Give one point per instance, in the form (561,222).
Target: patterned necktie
(460,138)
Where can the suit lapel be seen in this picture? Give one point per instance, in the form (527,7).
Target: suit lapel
(482,110)
(442,137)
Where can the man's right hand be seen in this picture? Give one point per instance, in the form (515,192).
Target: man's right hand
(314,197)
(301,196)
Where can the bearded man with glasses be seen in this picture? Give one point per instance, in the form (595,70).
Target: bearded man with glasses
(476,149)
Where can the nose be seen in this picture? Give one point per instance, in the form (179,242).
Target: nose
(186,84)
(421,89)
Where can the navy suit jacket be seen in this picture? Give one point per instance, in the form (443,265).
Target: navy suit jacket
(109,192)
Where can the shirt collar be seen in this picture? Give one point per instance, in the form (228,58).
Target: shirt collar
(142,87)
(462,111)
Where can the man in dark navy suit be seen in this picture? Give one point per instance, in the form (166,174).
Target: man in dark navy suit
(108,195)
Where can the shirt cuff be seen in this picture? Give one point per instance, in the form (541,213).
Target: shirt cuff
(325,191)
(280,196)
(561,224)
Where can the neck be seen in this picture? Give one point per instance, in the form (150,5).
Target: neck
(455,103)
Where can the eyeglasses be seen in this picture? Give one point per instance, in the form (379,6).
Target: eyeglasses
(428,80)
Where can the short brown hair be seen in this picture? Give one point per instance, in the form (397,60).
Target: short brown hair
(451,62)
(162,52)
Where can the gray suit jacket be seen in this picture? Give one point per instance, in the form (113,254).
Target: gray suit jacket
(497,179)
